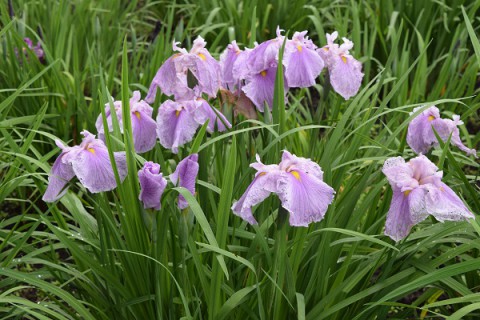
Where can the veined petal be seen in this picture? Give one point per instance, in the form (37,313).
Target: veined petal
(260,88)
(176,124)
(165,79)
(399,222)
(399,173)
(93,168)
(305,196)
(58,178)
(302,67)
(292,162)
(262,185)
(445,205)
(346,76)
(143,131)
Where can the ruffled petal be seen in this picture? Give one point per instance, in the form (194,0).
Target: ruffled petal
(346,76)
(399,173)
(445,205)
(176,124)
(399,222)
(185,176)
(302,66)
(305,196)
(292,162)
(152,185)
(93,168)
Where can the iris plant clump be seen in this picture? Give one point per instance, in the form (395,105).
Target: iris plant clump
(194,78)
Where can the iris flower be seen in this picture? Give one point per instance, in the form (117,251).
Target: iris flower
(302,63)
(152,185)
(297,181)
(418,191)
(345,71)
(37,49)
(421,137)
(91,164)
(143,126)
(177,122)
(187,75)
(185,176)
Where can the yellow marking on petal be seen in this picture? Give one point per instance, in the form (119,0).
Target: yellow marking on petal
(177,113)
(344,59)
(137,114)
(263,73)
(442,189)
(202,56)
(91,150)
(262,174)
(406,193)
(431,118)
(325,48)
(295,174)
(299,48)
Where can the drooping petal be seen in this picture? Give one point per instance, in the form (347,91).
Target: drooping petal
(399,222)
(346,76)
(185,176)
(445,205)
(264,55)
(261,187)
(176,124)
(92,166)
(143,126)
(304,196)
(58,178)
(302,67)
(260,88)
(152,185)
(204,111)
(165,79)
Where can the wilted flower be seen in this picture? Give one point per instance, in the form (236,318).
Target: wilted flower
(421,137)
(345,72)
(185,176)
(418,191)
(302,63)
(91,164)
(143,126)
(152,185)
(187,75)
(299,184)
(206,112)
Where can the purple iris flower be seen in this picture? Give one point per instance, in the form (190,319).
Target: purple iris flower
(230,79)
(297,181)
(345,72)
(185,176)
(36,49)
(91,164)
(418,191)
(302,63)
(152,185)
(261,68)
(177,122)
(143,126)
(173,76)
(421,137)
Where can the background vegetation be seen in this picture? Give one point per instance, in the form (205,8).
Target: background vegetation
(101,256)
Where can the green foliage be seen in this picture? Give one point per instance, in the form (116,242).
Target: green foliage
(102,256)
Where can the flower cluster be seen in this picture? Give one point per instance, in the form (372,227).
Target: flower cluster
(247,77)
(253,71)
